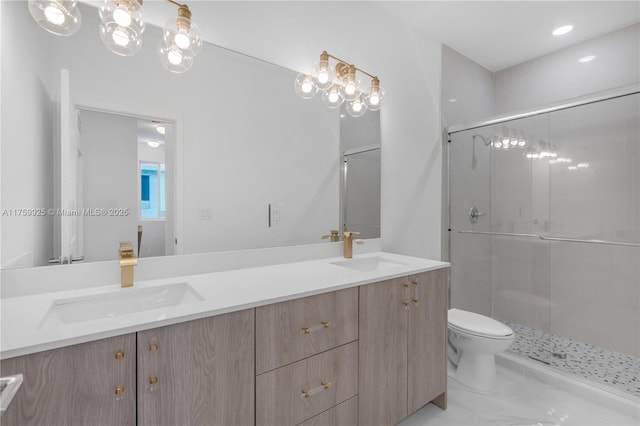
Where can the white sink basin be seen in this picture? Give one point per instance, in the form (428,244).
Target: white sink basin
(368,264)
(121,302)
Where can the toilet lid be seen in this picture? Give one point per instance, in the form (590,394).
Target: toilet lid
(477,324)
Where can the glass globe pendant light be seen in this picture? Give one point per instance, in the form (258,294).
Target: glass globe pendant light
(332,97)
(305,86)
(323,73)
(121,26)
(350,84)
(181,42)
(373,99)
(60,17)
(356,108)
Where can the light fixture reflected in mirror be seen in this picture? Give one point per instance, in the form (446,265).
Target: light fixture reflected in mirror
(121,26)
(181,41)
(60,17)
(340,86)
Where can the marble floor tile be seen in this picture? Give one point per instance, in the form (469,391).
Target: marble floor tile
(517,400)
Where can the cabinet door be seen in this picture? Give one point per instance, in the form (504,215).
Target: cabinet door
(427,345)
(383,353)
(198,373)
(76,385)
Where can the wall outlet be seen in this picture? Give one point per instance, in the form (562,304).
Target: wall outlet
(275,214)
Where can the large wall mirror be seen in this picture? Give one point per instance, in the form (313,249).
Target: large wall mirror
(243,161)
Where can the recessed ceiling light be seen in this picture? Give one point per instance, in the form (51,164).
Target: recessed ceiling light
(153,144)
(562,30)
(160,130)
(587,58)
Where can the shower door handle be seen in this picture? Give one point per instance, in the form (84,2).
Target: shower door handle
(474,214)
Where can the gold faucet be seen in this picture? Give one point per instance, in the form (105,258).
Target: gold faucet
(335,236)
(127,261)
(348,243)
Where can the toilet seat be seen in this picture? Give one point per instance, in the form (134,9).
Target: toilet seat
(478,325)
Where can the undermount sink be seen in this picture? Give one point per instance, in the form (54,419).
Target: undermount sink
(121,302)
(368,264)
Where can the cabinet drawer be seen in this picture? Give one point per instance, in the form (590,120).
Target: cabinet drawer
(344,414)
(294,393)
(290,331)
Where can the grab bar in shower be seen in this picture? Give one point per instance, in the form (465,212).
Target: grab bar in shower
(504,234)
(542,237)
(574,240)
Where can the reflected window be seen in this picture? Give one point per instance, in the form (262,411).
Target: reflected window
(152,191)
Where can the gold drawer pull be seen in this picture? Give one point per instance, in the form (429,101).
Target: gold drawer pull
(153,347)
(119,390)
(405,285)
(415,283)
(153,380)
(405,304)
(311,392)
(119,355)
(309,330)
(415,301)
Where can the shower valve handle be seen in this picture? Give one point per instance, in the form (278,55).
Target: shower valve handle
(474,214)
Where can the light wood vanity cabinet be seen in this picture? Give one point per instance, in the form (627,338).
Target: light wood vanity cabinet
(369,355)
(194,373)
(198,372)
(307,360)
(402,340)
(85,384)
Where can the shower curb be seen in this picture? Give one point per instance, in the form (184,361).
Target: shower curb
(606,397)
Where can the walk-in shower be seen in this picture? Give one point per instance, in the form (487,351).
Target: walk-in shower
(544,232)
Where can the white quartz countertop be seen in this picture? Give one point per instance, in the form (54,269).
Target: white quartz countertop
(24,329)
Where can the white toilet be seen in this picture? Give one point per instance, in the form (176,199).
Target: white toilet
(474,340)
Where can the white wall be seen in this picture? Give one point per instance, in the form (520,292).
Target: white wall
(560,76)
(26,158)
(467,89)
(108,143)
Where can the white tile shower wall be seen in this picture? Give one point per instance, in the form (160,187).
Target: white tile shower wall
(559,76)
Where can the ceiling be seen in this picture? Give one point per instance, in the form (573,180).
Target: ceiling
(500,34)
(495,34)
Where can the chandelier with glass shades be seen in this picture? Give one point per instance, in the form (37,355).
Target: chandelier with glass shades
(340,84)
(121,28)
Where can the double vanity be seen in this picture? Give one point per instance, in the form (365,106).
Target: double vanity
(329,341)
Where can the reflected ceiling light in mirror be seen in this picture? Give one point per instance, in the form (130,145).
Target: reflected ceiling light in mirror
(562,30)
(153,144)
(340,85)
(181,41)
(161,129)
(60,17)
(587,58)
(121,26)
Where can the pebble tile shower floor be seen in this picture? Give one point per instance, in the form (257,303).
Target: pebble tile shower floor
(613,369)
